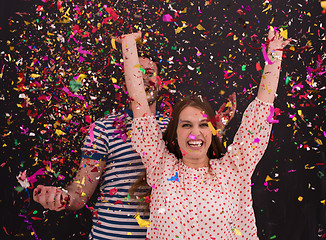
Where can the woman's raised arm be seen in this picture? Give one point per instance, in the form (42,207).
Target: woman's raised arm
(269,81)
(133,74)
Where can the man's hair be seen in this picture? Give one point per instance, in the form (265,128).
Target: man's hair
(152,58)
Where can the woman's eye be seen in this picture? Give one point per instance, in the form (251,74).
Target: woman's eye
(204,125)
(185,125)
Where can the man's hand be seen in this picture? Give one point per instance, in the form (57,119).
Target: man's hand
(226,112)
(52,198)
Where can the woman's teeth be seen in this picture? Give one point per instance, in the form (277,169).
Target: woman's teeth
(195,143)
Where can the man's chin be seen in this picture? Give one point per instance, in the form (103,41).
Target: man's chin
(151,97)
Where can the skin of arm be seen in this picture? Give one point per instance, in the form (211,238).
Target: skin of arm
(77,192)
(269,81)
(85,183)
(133,74)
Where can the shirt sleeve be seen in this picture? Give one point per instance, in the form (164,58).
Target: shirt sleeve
(147,140)
(236,167)
(96,144)
(250,141)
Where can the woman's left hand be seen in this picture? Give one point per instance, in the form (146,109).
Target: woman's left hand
(133,36)
(276,41)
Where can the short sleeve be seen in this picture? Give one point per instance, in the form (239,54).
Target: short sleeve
(146,137)
(96,143)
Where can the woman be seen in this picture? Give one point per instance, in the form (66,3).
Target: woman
(195,195)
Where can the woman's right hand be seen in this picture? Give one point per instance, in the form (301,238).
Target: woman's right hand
(50,197)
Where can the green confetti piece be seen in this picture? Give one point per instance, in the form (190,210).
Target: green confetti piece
(273,237)
(56,174)
(143,70)
(19,188)
(35,212)
(75,86)
(320,174)
(244,67)
(287,80)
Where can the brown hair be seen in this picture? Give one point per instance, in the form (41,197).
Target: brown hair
(170,137)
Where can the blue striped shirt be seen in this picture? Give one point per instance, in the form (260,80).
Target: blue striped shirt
(115,210)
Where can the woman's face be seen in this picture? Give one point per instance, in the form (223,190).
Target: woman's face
(193,135)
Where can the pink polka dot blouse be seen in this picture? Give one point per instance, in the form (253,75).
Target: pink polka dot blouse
(188,203)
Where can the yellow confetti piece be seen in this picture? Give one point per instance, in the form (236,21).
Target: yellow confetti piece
(129,233)
(141,222)
(318,141)
(200,27)
(68,118)
(49,169)
(59,132)
(268,7)
(83,181)
(300,199)
(268,90)
(114,80)
(323,202)
(137,66)
(268,178)
(213,130)
(81,77)
(307,167)
(284,33)
(178,30)
(83,194)
(33,75)
(237,232)
(113,43)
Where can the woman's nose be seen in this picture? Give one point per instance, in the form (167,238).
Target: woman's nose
(195,131)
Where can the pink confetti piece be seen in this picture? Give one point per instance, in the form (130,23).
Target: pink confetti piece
(265,55)
(193,137)
(270,117)
(70,94)
(167,18)
(270,190)
(81,51)
(256,140)
(91,134)
(32,179)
